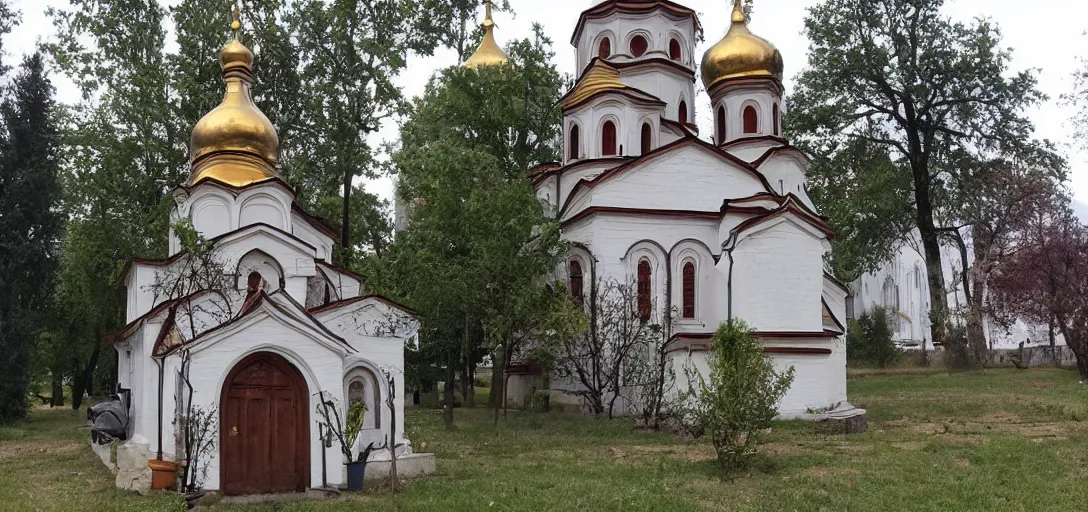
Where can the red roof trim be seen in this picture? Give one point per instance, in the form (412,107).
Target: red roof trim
(842,330)
(787,207)
(236,189)
(669,63)
(716,88)
(836,281)
(770,152)
(633,93)
(347,302)
(315,222)
(700,341)
(579,163)
(354,275)
(795,334)
(686,141)
(632,6)
(694,214)
(755,138)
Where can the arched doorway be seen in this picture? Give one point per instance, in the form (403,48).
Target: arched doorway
(264,427)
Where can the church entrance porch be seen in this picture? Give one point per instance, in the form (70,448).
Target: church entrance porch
(264,427)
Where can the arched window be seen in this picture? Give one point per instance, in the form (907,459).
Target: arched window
(608,139)
(689,290)
(720,122)
(751,120)
(576,289)
(644,289)
(604,51)
(774,114)
(574,139)
(682,113)
(638,46)
(674,50)
(647,138)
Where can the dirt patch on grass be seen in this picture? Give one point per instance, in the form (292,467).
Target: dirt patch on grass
(911,446)
(691,453)
(36,449)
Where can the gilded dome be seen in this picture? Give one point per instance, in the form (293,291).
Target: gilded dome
(489,53)
(234,143)
(740,54)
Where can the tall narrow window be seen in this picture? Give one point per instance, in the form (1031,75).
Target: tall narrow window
(604,51)
(689,290)
(682,113)
(608,139)
(576,289)
(647,138)
(574,139)
(674,50)
(774,114)
(751,120)
(638,46)
(720,121)
(644,289)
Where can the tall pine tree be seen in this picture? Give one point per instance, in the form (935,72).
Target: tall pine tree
(29,227)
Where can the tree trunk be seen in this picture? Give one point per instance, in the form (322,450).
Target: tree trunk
(57,400)
(494,395)
(938,300)
(81,378)
(451,366)
(345,222)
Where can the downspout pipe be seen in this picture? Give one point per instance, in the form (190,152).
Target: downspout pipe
(162,369)
(727,248)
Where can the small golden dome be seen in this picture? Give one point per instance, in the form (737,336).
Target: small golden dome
(489,53)
(740,54)
(234,143)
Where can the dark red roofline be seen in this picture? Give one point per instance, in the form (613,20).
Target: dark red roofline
(361,278)
(347,302)
(770,152)
(788,206)
(842,330)
(691,214)
(744,80)
(632,93)
(656,61)
(315,222)
(755,138)
(700,341)
(836,281)
(606,8)
(583,183)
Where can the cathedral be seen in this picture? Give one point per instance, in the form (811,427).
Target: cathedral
(709,227)
(259,331)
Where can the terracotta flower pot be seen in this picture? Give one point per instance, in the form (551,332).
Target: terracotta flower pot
(163,474)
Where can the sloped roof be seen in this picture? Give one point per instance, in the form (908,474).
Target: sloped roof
(601,77)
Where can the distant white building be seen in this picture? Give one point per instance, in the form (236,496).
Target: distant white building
(900,286)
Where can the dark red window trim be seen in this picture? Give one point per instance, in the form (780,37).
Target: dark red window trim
(576,281)
(608,139)
(604,50)
(751,120)
(682,113)
(674,50)
(639,45)
(644,289)
(574,140)
(688,290)
(647,138)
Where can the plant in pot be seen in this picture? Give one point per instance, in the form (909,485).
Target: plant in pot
(345,431)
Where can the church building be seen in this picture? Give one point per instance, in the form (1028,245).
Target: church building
(708,226)
(262,329)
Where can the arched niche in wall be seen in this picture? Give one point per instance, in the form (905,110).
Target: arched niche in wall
(638,43)
(211,215)
(263,263)
(361,386)
(609,136)
(750,118)
(574,142)
(263,209)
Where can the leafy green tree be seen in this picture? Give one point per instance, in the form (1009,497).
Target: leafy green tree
(740,397)
(869,339)
(29,224)
(479,243)
(904,78)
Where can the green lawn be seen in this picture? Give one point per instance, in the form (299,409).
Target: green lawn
(1000,440)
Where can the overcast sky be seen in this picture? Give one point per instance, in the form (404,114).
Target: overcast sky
(1044,34)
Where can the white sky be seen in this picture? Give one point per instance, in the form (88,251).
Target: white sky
(1044,34)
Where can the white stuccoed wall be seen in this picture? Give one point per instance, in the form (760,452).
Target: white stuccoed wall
(320,366)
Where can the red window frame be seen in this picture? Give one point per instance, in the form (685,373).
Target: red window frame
(608,139)
(644,287)
(688,294)
(751,120)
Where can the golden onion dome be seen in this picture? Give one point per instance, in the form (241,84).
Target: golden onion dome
(489,53)
(234,143)
(740,54)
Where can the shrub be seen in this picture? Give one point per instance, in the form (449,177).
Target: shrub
(869,340)
(741,397)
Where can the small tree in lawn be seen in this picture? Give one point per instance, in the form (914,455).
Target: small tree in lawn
(741,396)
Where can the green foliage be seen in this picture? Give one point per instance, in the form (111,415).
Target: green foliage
(869,340)
(479,244)
(895,99)
(29,224)
(741,397)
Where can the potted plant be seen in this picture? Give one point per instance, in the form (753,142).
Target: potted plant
(346,431)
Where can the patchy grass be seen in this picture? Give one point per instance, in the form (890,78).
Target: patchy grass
(994,440)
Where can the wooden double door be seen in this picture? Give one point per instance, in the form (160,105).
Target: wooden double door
(264,427)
